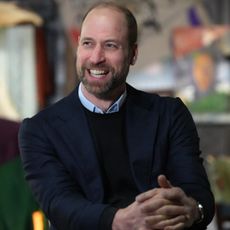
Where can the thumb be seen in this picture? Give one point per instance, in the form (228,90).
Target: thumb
(163,182)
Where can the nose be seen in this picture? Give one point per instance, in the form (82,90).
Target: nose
(97,56)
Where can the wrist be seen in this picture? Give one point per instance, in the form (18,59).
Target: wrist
(200,211)
(118,220)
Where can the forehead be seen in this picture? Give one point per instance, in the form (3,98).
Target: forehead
(105,21)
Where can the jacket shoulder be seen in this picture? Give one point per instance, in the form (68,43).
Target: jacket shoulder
(150,100)
(61,108)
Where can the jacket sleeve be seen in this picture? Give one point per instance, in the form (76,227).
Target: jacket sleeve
(59,195)
(185,165)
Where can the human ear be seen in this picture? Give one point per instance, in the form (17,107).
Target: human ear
(134,54)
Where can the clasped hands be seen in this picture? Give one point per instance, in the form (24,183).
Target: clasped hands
(163,208)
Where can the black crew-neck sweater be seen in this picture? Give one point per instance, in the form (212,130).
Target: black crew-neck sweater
(109,136)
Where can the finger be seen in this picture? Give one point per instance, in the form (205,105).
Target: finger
(163,182)
(175,194)
(150,221)
(155,205)
(164,222)
(172,210)
(179,226)
(146,195)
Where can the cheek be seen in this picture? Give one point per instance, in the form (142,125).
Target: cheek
(122,64)
(119,61)
(81,57)
(80,62)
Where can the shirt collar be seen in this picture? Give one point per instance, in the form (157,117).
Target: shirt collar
(115,107)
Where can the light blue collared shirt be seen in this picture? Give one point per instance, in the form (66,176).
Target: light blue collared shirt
(115,107)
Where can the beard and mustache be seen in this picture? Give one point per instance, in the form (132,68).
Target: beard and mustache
(105,88)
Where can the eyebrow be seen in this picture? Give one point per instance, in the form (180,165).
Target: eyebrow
(86,38)
(107,40)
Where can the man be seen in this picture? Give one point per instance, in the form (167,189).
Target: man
(109,156)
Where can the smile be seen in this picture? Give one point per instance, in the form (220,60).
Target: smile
(97,73)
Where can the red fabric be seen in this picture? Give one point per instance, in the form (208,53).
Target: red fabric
(8,140)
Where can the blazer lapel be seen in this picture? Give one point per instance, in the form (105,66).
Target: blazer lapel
(73,128)
(141,121)
(141,124)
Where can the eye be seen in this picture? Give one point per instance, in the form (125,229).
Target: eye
(111,45)
(87,44)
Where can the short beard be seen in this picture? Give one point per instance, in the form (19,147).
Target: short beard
(106,90)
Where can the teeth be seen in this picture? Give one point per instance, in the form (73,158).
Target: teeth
(97,72)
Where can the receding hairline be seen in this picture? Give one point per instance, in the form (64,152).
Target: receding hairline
(128,16)
(102,7)
(106,5)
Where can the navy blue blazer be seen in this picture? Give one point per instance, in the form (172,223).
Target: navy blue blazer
(61,166)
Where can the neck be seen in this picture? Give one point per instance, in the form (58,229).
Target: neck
(106,101)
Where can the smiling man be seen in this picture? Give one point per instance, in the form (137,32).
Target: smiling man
(104,55)
(108,156)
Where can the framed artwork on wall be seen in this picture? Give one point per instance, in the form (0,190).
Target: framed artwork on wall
(202,69)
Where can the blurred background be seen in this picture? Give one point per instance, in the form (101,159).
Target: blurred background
(184,51)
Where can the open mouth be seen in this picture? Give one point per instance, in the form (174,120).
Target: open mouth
(97,73)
